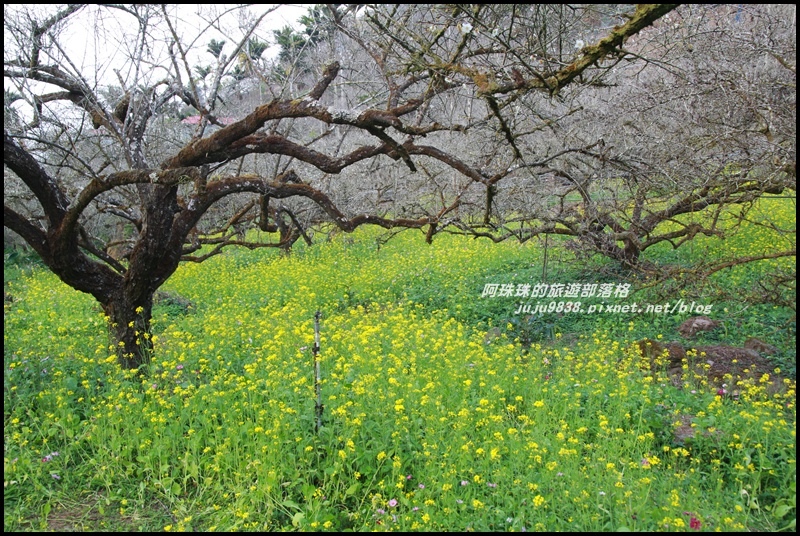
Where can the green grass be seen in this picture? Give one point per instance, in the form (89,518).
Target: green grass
(430,422)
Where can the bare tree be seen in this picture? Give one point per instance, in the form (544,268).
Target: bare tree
(699,116)
(400,85)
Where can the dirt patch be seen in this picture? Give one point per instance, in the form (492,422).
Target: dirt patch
(659,354)
(685,430)
(74,518)
(723,366)
(738,363)
(95,513)
(760,346)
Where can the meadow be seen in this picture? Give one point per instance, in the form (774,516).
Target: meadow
(443,410)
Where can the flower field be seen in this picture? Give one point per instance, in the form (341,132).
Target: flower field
(442,410)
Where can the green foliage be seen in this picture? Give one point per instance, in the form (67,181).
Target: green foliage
(22,258)
(291,43)
(316,26)
(215,47)
(202,71)
(255,48)
(238,73)
(443,409)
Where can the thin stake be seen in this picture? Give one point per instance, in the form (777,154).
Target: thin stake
(317,373)
(544,264)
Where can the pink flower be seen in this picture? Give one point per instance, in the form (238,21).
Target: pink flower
(392,503)
(695,523)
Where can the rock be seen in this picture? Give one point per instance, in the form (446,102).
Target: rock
(694,325)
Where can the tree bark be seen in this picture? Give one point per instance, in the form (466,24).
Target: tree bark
(129,328)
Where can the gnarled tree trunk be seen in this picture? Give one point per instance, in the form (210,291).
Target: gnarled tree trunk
(129,328)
